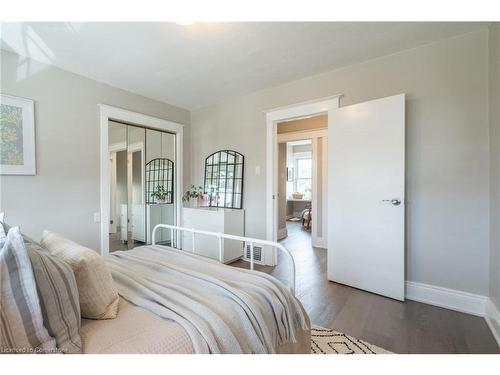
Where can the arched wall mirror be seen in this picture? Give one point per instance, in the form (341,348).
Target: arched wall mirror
(224,179)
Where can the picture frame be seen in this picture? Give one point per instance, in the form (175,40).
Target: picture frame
(17,136)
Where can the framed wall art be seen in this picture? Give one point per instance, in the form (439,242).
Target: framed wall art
(17,136)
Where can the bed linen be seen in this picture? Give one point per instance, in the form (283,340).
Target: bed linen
(138,331)
(223,309)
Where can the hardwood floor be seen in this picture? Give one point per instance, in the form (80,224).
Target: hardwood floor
(401,327)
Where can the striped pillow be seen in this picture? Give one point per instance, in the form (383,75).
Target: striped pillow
(21,320)
(4,228)
(58,295)
(3,236)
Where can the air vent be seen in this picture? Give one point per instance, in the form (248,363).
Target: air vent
(257,253)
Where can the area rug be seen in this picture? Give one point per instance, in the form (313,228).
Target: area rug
(328,341)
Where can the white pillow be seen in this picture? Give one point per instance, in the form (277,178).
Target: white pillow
(96,290)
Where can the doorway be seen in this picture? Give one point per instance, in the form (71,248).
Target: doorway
(292,122)
(364,230)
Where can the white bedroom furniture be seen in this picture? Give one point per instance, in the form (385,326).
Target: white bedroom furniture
(218,220)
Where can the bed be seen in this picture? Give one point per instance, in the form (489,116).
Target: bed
(151,299)
(153,336)
(227,310)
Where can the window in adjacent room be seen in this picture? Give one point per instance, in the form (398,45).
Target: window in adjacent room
(304,176)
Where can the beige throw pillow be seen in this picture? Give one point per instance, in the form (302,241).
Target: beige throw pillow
(96,289)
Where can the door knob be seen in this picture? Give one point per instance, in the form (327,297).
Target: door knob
(394,201)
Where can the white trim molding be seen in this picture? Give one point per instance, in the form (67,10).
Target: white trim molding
(114,113)
(457,300)
(282,233)
(493,319)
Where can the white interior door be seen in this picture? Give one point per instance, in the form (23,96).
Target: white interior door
(366,212)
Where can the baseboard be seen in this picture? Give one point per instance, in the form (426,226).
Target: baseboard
(493,319)
(469,303)
(320,242)
(282,233)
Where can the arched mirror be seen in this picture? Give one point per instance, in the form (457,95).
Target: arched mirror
(160,181)
(224,179)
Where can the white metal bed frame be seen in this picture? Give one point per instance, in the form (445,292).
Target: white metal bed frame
(220,237)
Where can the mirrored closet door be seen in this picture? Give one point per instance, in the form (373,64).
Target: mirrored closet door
(142,180)
(160,164)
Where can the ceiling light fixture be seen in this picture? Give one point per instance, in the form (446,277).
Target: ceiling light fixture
(186,22)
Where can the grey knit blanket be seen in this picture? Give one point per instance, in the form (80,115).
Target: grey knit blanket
(222,308)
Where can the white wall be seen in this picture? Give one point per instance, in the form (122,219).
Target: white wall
(494,97)
(447,149)
(64,194)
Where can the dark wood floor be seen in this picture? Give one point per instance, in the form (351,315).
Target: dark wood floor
(401,327)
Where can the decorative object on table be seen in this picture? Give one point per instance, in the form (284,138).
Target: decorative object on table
(161,194)
(289,174)
(224,179)
(297,195)
(194,196)
(17,136)
(160,172)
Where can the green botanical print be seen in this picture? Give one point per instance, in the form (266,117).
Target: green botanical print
(11,135)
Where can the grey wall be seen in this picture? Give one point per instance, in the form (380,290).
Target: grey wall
(447,149)
(65,192)
(494,96)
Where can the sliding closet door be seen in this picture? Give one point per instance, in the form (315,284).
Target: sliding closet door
(135,186)
(118,208)
(160,183)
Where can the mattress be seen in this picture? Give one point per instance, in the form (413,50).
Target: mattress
(138,331)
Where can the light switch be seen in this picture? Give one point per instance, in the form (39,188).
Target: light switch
(97,217)
(257,170)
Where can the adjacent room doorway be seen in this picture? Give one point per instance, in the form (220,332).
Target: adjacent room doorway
(364,228)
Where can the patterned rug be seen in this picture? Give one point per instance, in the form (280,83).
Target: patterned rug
(328,341)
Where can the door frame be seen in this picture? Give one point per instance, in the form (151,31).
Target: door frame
(273,117)
(107,113)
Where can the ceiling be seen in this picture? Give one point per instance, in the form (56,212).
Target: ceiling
(201,64)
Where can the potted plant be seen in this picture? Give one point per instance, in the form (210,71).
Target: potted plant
(160,194)
(194,196)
